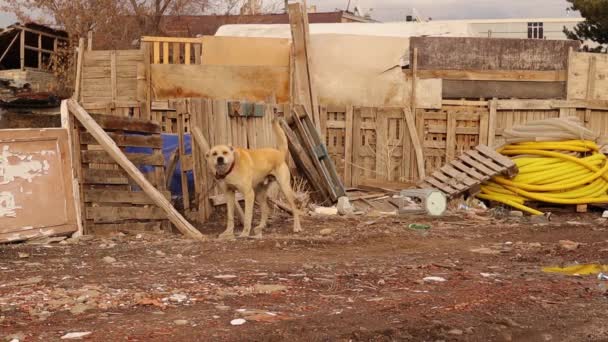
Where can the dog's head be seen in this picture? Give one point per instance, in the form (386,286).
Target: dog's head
(221,157)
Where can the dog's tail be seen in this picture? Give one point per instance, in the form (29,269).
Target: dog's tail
(280,136)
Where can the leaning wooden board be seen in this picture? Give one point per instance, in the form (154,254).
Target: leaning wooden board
(36,184)
(468,171)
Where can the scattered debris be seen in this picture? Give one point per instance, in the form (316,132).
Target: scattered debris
(602,276)
(225,276)
(268,288)
(434,279)
(329,211)
(456,332)
(516,213)
(75,335)
(417,226)
(178,297)
(109,259)
(485,250)
(238,321)
(344,207)
(326,232)
(160,253)
(180,322)
(569,245)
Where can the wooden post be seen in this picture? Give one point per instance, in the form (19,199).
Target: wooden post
(416,142)
(90,41)
(348,147)
(181,112)
(76,95)
(22,49)
(67,123)
(298,19)
(39,51)
(112,149)
(492,123)
(113,77)
(450,139)
(414,65)
(145,47)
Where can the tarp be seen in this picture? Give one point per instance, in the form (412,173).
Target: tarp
(396,29)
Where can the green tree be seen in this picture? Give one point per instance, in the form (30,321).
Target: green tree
(595,26)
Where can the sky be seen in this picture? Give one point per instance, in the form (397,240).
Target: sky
(395,10)
(387,10)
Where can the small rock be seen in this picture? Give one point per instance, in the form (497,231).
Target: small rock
(180,322)
(23,255)
(80,308)
(547,337)
(569,245)
(222,307)
(326,232)
(178,297)
(434,279)
(19,336)
(160,253)
(238,321)
(485,250)
(456,332)
(267,289)
(469,330)
(224,276)
(516,213)
(344,207)
(539,219)
(109,260)
(138,236)
(330,211)
(75,335)
(381,282)
(160,313)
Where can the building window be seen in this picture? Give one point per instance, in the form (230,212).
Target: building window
(535,31)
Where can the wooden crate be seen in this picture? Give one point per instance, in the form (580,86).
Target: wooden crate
(110,200)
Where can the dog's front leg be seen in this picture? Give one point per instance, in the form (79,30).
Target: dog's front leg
(249,200)
(228,234)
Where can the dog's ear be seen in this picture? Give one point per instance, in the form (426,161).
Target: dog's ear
(231,148)
(207,154)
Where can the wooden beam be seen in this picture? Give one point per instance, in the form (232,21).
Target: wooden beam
(151,39)
(591,78)
(496,75)
(492,123)
(67,122)
(90,41)
(199,139)
(113,76)
(348,146)
(109,146)
(414,81)
(40,51)
(9,47)
(22,49)
(76,94)
(23,28)
(411,126)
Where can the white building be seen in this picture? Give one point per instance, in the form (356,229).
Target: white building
(532,28)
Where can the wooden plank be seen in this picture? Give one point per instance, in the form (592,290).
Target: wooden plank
(441,186)
(492,123)
(524,104)
(117,214)
(220,50)
(22,49)
(103,176)
(73,133)
(496,75)
(174,216)
(156,59)
(165,53)
(382,146)
(348,146)
(464,103)
(483,128)
(450,139)
(416,142)
(459,176)
(147,82)
(122,140)
(197,54)
(503,89)
(78,84)
(119,196)
(455,53)
(459,116)
(497,157)
(477,165)
(454,183)
(103,157)
(176,56)
(187,53)
(171,39)
(247,83)
(106,228)
(468,170)
(591,78)
(113,75)
(414,76)
(485,161)
(126,124)
(458,130)
(181,150)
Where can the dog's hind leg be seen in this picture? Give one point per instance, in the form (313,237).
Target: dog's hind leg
(262,196)
(228,234)
(249,200)
(284,179)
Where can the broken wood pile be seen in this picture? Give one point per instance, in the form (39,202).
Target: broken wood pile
(110,199)
(468,171)
(310,155)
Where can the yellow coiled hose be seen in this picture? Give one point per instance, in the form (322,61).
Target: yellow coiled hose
(565,172)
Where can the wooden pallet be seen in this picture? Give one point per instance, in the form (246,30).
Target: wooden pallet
(469,170)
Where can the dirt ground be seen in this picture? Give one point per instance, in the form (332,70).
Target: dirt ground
(362,279)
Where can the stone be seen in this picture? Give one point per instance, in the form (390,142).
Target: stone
(222,307)
(434,279)
(109,260)
(516,213)
(326,232)
(79,309)
(178,297)
(160,253)
(238,321)
(456,332)
(268,288)
(23,255)
(569,245)
(329,211)
(180,322)
(344,207)
(75,335)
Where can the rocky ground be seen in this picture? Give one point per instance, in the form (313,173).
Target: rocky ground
(467,278)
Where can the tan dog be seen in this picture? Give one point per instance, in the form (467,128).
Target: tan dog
(249,172)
